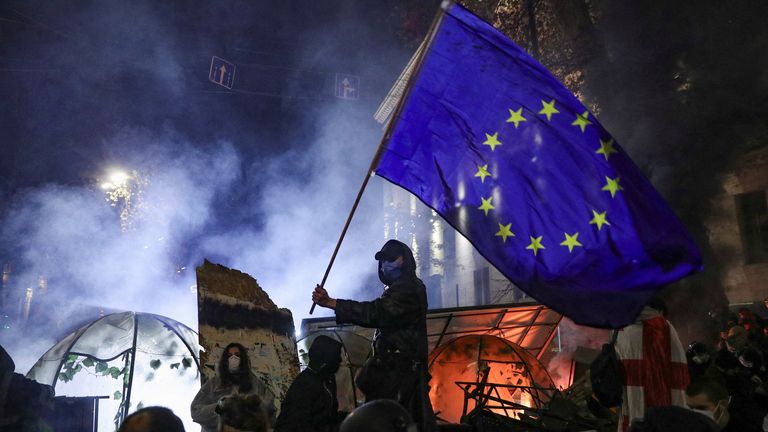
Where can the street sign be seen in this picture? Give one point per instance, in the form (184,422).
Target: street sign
(222,72)
(347,86)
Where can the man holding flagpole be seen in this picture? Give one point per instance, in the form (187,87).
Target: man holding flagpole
(398,368)
(491,141)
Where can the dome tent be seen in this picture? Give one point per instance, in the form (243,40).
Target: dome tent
(134,359)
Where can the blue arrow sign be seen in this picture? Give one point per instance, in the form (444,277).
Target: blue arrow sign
(222,72)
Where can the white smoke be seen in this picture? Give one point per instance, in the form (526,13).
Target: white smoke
(272,209)
(305,200)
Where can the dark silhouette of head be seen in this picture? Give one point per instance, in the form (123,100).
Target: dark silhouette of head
(711,388)
(240,377)
(658,304)
(152,419)
(381,415)
(325,355)
(698,353)
(751,360)
(709,394)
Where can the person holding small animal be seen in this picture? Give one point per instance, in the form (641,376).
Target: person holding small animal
(234,399)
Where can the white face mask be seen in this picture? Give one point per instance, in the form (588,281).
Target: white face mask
(721,415)
(233,363)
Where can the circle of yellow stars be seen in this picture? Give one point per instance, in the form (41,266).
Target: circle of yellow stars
(612,185)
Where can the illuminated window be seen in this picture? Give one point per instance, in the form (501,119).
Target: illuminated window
(753,222)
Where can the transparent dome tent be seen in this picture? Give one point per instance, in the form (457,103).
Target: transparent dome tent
(354,352)
(129,360)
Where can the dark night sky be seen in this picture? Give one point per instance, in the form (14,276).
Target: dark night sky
(74,73)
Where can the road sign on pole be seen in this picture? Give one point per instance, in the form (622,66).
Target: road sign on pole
(222,72)
(347,86)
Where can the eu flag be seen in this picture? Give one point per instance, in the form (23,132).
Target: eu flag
(490,140)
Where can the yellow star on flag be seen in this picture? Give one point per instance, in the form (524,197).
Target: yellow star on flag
(535,244)
(582,121)
(598,219)
(549,109)
(492,140)
(486,206)
(516,117)
(482,172)
(606,148)
(612,186)
(504,232)
(571,241)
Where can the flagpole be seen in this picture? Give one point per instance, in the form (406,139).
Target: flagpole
(384,139)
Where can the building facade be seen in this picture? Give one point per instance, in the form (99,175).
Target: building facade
(738,228)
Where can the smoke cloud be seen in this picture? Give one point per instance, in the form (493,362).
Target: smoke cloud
(260,178)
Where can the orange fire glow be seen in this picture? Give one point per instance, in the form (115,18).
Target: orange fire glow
(518,376)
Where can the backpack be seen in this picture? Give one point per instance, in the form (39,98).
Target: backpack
(607,375)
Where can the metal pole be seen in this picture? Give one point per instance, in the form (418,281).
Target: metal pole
(127,401)
(349,219)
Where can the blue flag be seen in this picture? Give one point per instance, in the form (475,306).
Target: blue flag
(495,144)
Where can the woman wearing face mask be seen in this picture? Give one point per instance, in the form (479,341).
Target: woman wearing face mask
(234,399)
(398,368)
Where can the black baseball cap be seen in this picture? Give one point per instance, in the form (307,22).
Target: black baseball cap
(390,251)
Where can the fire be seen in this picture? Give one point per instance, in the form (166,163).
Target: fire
(487,365)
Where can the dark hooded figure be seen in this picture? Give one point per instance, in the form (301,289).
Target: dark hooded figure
(311,405)
(398,368)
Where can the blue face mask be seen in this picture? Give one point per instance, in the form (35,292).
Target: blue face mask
(390,270)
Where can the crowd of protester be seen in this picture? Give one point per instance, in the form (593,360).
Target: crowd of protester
(727,384)
(720,386)
(731,372)
(723,385)
(717,386)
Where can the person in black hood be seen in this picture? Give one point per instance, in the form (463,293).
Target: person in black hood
(311,405)
(398,368)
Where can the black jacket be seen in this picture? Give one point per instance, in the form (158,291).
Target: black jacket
(399,316)
(310,404)
(400,340)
